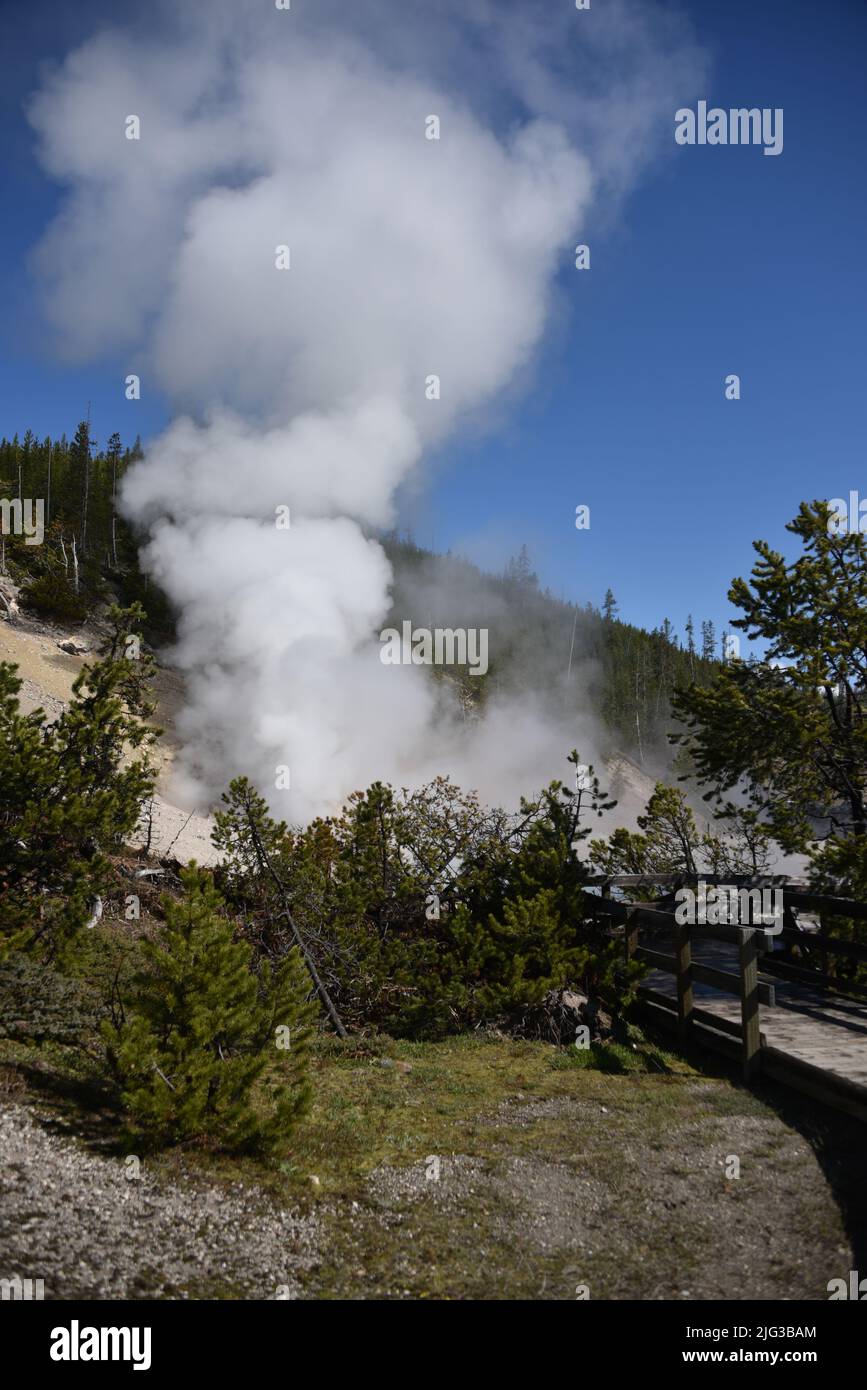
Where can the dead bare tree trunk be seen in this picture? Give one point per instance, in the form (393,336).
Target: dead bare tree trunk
(146,847)
(638,718)
(179,834)
(86,501)
(299,941)
(85,506)
(571,650)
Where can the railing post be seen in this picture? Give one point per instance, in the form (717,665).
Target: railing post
(630,935)
(683,952)
(749,974)
(824,932)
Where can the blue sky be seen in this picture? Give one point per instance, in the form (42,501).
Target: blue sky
(723,260)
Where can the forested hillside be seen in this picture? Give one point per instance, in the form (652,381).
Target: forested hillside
(88,548)
(570,656)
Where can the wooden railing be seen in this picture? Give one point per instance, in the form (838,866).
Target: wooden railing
(751,940)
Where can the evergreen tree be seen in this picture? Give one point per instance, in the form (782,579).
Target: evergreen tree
(212,1049)
(670,828)
(609,606)
(113,453)
(80,455)
(708,641)
(672,842)
(25,455)
(62,577)
(521,930)
(792,728)
(669,842)
(247,838)
(519,570)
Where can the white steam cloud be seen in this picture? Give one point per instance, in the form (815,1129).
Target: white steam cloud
(306,387)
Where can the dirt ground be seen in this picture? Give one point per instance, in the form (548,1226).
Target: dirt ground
(477,1168)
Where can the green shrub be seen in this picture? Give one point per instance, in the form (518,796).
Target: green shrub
(210,1049)
(839,868)
(39,1004)
(54,597)
(427,913)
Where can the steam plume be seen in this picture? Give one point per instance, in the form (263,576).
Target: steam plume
(306,387)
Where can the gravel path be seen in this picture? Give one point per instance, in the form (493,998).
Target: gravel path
(89,1230)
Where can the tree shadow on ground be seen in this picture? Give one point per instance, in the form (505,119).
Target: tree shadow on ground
(79,1108)
(838,1140)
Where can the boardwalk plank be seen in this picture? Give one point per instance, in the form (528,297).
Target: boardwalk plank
(807,1024)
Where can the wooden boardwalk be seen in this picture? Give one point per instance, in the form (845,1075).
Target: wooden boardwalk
(806,1023)
(741,991)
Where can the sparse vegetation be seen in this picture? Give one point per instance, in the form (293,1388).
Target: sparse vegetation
(437,929)
(427,913)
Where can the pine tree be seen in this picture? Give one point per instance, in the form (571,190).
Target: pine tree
(690,643)
(80,456)
(247,838)
(609,606)
(672,842)
(520,571)
(24,457)
(792,728)
(708,641)
(212,1050)
(541,938)
(669,825)
(113,453)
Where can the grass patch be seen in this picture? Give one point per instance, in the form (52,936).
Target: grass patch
(560,1167)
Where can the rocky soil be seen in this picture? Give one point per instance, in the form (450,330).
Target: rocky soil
(97,1228)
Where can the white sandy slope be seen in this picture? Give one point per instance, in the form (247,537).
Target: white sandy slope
(47,674)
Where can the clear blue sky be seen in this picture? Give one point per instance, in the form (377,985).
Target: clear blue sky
(723,260)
